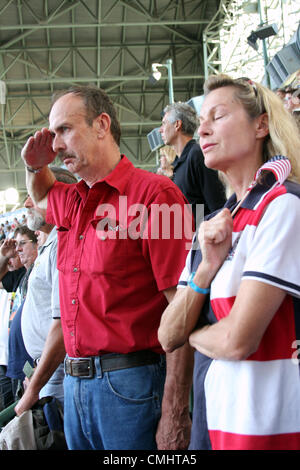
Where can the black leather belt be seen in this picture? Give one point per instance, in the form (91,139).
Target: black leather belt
(85,367)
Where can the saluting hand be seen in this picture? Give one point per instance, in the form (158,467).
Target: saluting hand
(38,151)
(8,248)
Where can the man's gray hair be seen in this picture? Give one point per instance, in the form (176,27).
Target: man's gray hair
(186,114)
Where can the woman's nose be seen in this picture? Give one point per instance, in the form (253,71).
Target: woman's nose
(203,129)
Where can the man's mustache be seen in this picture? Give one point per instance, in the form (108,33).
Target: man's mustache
(63,155)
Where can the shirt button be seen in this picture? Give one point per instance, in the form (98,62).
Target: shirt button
(73,301)
(71,333)
(103,238)
(80,237)
(75,270)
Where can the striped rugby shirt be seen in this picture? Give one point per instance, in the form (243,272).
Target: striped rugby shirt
(254,403)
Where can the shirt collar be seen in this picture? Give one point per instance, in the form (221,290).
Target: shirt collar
(51,237)
(184,152)
(118,178)
(255,194)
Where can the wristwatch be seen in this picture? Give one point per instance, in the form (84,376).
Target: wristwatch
(33,170)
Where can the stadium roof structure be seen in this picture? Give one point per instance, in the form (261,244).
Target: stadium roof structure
(48,45)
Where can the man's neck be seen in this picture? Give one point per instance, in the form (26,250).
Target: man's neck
(181,142)
(93,175)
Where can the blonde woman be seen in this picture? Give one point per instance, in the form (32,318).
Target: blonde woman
(167,156)
(237,301)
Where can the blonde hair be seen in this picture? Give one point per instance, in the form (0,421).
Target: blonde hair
(283,137)
(168,152)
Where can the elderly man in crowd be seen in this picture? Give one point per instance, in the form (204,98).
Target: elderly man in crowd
(6,299)
(41,325)
(25,245)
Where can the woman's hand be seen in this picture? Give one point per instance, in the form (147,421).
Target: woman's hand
(215,238)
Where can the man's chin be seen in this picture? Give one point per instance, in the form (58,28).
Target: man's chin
(70,164)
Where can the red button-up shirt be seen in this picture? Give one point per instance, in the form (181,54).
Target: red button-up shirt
(111,279)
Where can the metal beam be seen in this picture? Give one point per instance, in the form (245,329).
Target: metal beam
(113,94)
(211,41)
(129,24)
(125,78)
(42,23)
(167,26)
(113,45)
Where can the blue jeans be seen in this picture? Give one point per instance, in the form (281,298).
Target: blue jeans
(116,410)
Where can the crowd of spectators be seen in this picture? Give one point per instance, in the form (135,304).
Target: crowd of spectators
(121,311)
(7,229)
(290,95)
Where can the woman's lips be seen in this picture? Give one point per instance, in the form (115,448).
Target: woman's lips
(207,146)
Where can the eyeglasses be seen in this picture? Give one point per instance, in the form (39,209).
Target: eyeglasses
(22,243)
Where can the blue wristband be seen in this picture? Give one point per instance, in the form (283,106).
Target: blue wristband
(196,288)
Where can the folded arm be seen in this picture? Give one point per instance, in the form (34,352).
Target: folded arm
(182,314)
(238,335)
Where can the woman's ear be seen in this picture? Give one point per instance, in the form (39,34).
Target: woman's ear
(262,128)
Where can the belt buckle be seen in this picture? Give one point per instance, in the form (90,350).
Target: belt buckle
(90,375)
(91,369)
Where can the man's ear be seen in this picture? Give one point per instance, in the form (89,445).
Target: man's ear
(262,128)
(102,124)
(178,124)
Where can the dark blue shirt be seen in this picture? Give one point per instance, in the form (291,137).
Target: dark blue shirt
(199,184)
(17,353)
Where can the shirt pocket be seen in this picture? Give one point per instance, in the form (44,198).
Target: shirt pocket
(63,232)
(110,251)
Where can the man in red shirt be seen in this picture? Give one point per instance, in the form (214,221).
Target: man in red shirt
(119,263)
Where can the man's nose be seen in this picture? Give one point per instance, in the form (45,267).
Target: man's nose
(58,143)
(28,203)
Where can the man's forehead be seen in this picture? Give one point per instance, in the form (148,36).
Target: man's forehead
(20,237)
(69,98)
(166,117)
(67,107)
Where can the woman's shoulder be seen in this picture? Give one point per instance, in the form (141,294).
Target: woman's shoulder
(292,187)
